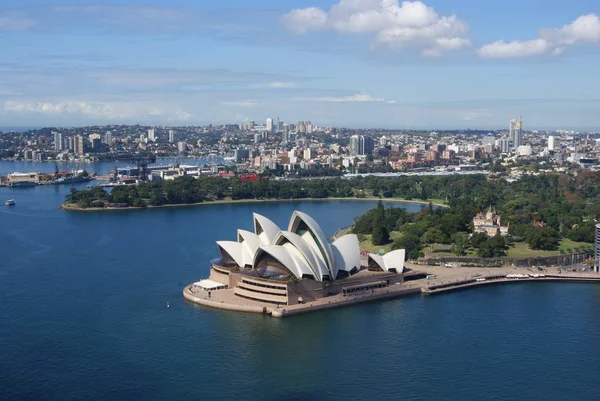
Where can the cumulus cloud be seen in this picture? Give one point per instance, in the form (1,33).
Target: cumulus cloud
(516,48)
(395,25)
(94,110)
(303,20)
(585,29)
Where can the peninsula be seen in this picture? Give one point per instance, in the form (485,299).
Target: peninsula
(289,272)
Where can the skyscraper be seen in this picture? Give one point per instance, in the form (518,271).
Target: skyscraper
(551,142)
(361,145)
(108,138)
(171,136)
(96,142)
(367,145)
(285,133)
(78,145)
(516,135)
(151,135)
(269,124)
(354,145)
(309,127)
(58,141)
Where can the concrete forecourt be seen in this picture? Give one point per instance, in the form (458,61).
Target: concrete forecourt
(285,273)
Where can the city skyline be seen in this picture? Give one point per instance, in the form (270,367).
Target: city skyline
(344,63)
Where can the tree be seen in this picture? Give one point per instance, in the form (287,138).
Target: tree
(543,238)
(477,239)
(493,248)
(380,234)
(461,243)
(410,243)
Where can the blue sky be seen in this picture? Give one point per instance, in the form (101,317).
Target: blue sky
(354,63)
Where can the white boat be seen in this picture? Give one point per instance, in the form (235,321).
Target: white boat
(10,202)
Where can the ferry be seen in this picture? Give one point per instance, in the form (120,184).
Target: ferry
(10,202)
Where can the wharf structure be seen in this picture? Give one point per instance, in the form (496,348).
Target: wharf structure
(293,270)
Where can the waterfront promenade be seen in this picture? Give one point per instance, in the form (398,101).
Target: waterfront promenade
(431,280)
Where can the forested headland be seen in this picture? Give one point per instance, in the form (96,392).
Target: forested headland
(542,212)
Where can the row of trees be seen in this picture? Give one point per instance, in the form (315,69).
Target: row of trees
(567,205)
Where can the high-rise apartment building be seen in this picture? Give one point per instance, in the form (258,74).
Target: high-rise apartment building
(301,128)
(551,142)
(361,145)
(285,133)
(309,127)
(78,145)
(182,147)
(269,124)
(151,135)
(108,138)
(95,142)
(171,136)
(516,133)
(58,141)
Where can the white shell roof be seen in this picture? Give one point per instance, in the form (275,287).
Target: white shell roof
(318,232)
(346,250)
(250,244)
(392,260)
(395,260)
(307,254)
(234,249)
(269,229)
(311,255)
(297,267)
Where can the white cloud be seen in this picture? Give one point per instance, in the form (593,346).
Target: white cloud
(303,20)
(282,85)
(392,102)
(585,29)
(95,110)
(398,26)
(517,48)
(359,97)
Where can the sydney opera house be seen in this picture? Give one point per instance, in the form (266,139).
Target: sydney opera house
(271,266)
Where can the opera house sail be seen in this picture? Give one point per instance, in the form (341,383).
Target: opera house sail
(294,266)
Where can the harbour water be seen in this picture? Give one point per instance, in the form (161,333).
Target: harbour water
(83,316)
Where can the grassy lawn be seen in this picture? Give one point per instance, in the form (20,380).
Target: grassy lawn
(522,250)
(367,244)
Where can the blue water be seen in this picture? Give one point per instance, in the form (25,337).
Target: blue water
(83,316)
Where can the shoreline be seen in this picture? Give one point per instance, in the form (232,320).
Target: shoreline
(231,201)
(403,290)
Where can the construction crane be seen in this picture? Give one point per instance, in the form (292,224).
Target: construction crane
(142,160)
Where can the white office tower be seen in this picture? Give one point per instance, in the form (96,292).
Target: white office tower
(552,142)
(151,135)
(504,145)
(308,154)
(108,138)
(269,124)
(58,141)
(516,134)
(171,136)
(383,141)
